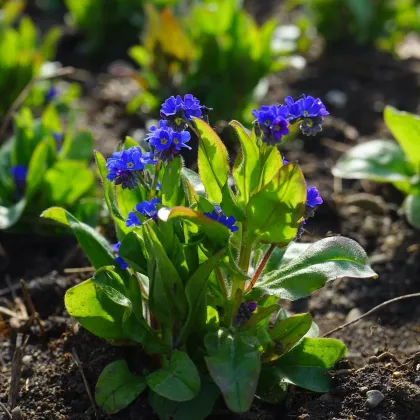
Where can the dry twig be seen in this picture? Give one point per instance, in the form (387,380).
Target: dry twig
(31,306)
(5,410)
(21,341)
(375,309)
(79,365)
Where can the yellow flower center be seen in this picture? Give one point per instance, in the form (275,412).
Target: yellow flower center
(178,121)
(267,122)
(309,123)
(176,140)
(164,140)
(305,113)
(130,164)
(277,127)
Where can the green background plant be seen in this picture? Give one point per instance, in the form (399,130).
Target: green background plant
(390,162)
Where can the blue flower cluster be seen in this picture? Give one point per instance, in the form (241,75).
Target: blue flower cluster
(273,121)
(218,216)
(167,142)
(123,167)
(147,209)
(119,260)
(170,136)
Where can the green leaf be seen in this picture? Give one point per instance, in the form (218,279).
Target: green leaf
(412,210)
(117,387)
(132,249)
(10,215)
(235,367)
(271,387)
(77,147)
(325,260)
(199,408)
(405,127)
(95,311)
(56,186)
(274,213)
(212,161)
(171,186)
(178,381)
(167,296)
(37,168)
(377,160)
(247,173)
(308,363)
(217,232)
(287,333)
(96,247)
(272,162)
(192,178)
(135,325)
(196,292)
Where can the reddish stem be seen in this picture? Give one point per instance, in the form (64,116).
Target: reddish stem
(260,268)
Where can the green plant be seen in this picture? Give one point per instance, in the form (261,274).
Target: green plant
(45,164)
(390,162)
(198,290)
(215,50)
(107,22)
(383,23)
(21,52)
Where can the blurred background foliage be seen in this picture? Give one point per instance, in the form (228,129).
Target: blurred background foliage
(211,48)
(379,23)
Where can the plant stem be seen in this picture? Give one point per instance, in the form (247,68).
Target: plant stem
(221,281)
(152,191)
(260,268)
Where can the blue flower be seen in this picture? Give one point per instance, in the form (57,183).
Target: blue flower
(313,198)
(179,139)
(192,107)
(58,137)
(218,216)
(123,166)
(133,220)
(19,174)
(51,94)
(162,139)
(146,209)
(272,122)
(178,112)
(309,111)
(119,260)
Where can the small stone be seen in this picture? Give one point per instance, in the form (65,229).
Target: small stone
(363,390)
(373,359)
(397,374)
(374,398)
(326,398)
(303,417)
(26,359)
(353,314)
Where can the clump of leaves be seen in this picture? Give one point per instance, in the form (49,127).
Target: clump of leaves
(21,52)
(105,24)
(390,162)
(201,262)
(380,23)
(45,163)
(215,50)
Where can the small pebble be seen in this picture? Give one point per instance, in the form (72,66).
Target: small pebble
(374,398)
(397,374)
(363,390)
(26,359)
(353,314)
